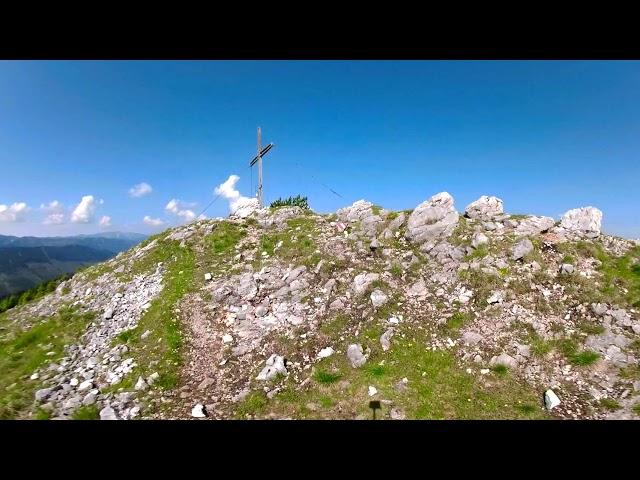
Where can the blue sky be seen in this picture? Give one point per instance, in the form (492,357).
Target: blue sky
(545,136)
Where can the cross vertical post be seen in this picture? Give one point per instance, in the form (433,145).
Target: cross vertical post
(259,169)
(258,159)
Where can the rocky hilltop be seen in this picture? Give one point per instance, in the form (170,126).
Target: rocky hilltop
(286,313)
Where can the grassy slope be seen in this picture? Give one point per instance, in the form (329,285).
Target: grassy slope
(23,351)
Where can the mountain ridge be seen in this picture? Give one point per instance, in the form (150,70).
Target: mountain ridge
(284,313)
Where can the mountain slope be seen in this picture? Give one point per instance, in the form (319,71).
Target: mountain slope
(289,314)
(24,267)
(27,261)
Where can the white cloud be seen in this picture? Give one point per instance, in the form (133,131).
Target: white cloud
(105,221)
(154,222)
(53,207)
(83,213)
(228,191)
(140,190)
(14,212)
(179,209)
(54,219)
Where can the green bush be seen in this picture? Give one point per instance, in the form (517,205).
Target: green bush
(296,201)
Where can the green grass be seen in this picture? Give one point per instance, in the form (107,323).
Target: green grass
(41,414)
(396,270)
(483,284)
(480,252)
(22,352)
(540,347)
(322,376)
(335,326)
(636,409)
(610,404)
(296,243)
(224,237)
(163,345)
(569,348)
(617,273)
(437,388)
(128,336)
(86,412)
(376,209)
(634,346)
(254,403)
(457,321)
(500,369)
(590,328)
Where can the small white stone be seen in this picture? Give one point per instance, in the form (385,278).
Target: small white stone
(325,352)
(372,391)
(207,276)
(141,384)
(226,338)
(551,400)
(394,320)
(35,376)
(198,411)
(145,334)
(86,385)
(484,371)
(73,382)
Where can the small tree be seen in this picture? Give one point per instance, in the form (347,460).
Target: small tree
(297,201)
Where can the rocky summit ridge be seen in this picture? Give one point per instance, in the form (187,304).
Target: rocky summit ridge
(285,313)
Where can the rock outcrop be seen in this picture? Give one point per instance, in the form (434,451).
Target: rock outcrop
(585,220)
(433,219)
(484,208)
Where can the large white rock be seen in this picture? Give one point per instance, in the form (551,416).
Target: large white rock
(360,210)
(484,208)
(418,289)
(108,413)
(378,298)
(385,339)
(362,281)
(274,365)
(586,220)
(355,355)
(533,225)
(478,239)
(245,207)
(521,248)
(504,359)
(551,400)
(432,219)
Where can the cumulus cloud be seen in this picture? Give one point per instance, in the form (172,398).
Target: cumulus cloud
(178,208)
(140,190)
(53,207)
(228,191)
(105,221)
(54,219)
(153,222)
(84,211)
(14,212)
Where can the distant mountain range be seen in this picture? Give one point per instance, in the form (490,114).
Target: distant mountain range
(27,261)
